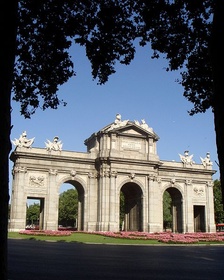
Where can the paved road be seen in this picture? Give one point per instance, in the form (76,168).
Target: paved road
(37,260)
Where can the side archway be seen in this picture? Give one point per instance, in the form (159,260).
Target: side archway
(132,207)
(174,198)
(79,223)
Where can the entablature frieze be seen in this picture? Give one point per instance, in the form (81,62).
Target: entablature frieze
(144,163)
(210,184)
(107,173)
(19,169)
(37,156)
(185,171)
(125,136)
(187,182)
(53,171)
(93,175)
(154,178)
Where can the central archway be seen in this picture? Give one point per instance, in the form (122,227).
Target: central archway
(132,207)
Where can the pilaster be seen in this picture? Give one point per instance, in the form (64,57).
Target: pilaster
(18,199)
(51,203)
(211,227)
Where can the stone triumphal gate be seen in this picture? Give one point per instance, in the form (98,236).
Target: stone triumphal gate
(120,158)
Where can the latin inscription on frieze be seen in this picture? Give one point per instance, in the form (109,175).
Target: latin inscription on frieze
(131,145)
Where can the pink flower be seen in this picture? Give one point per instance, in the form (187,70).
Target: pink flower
(164,237)
(45,232)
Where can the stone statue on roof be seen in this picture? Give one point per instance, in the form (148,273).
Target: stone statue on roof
(206,161)
(144,125)
(117,122)
(55,145)
(23,141)
(186,159)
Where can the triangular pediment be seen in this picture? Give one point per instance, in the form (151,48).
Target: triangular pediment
(131,131)
(130,128)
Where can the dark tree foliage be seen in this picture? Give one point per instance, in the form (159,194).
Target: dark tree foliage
(218,205)
(122,210)
(167,210)
(9,209)
(34,57)
(179,30)
(8,24)
(45,33)
(33,214)
(189,34)
(68,208)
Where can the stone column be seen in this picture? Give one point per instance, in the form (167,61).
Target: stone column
(18,199)
(51,204)
(210,221)
(189,210)
(41,221)
(104,146)
(103,194)
(155,223)
(150,146)
(80,220)
(185,209)
(114,216)
(145,205)
(92,202)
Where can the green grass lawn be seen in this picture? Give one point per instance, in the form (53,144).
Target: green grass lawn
(83,238)
(98,239)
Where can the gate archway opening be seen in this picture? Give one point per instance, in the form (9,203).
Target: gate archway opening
(35,213)
(172,201)
(199,218)
(74,206)
(167,212)
(131,207)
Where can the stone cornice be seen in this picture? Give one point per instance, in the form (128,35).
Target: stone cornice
(196,169)
(59,156)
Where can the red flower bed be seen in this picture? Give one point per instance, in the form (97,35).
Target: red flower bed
(46,232)
(164,237)
(168,237)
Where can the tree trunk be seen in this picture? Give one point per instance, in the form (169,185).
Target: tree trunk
(217,46)
(8,23)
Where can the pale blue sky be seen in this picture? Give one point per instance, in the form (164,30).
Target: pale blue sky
(142,90)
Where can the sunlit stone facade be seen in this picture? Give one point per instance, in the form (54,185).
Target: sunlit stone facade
(121,157)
